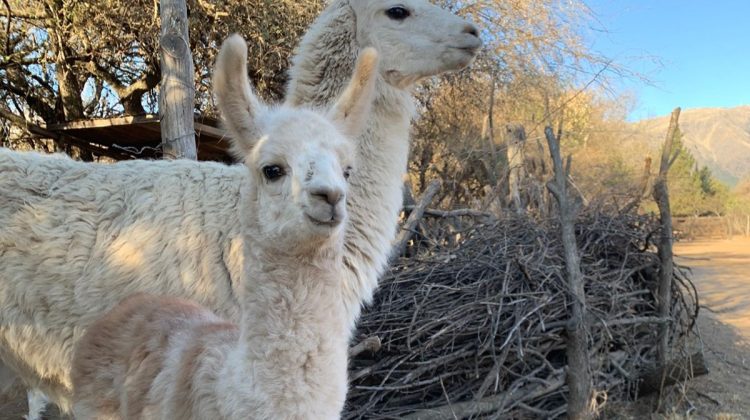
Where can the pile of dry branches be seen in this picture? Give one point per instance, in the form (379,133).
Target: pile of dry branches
(475,327)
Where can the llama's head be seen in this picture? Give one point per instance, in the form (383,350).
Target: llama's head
(415,38)
(299,159)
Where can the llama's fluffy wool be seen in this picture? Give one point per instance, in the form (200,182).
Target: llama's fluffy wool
(132,226)
(76,238)
(167,358)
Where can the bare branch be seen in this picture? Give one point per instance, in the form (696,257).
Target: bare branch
(471,409)
(369,344)
(7,27)
(453,213)
(36,103)
(407,230)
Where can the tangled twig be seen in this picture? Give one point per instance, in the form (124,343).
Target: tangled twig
(473,323)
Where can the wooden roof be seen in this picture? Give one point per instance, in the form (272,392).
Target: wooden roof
(139,137)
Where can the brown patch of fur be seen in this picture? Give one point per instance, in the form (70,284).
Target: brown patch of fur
(128,345)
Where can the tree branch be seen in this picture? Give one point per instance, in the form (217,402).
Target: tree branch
(472,409)
(24,15)
(129,95)
(37,104)
(7,27)
(14,119)
(96,70)
(407,230)
(453,213)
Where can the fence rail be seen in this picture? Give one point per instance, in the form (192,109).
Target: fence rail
(713,227)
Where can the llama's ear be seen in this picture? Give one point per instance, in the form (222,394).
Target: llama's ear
(352,109)
(237,104)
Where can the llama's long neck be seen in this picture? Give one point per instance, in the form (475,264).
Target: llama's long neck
(374,200)
(294,335)
(287,292)
(322,67)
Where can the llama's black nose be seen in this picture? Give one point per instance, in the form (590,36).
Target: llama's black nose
(331,196)
(471,30)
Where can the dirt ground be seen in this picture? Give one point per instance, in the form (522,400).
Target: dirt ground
(721,271)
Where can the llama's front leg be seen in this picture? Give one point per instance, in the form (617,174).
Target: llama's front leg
(37,403)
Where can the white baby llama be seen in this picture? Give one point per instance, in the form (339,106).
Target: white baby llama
(161,357)
(76,238)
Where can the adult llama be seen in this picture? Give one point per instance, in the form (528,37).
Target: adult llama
(77,238)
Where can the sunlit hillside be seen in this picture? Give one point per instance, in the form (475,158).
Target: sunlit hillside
(717,137)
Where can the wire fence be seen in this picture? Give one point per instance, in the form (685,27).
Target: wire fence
(712,227)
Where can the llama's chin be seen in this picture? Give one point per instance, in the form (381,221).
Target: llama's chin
(330,223)
(313,231)
(323,229)
(453,59)
(458,58)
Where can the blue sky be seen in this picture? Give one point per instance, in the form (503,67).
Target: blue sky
(695,52)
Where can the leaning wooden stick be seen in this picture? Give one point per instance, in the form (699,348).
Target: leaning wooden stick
(661,196)
(407,230)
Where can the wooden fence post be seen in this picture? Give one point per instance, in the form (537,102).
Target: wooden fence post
(515,139)
(730,227)
(177,89)
(578,371)
(661,196)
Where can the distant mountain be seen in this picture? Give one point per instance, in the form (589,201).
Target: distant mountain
(717,137)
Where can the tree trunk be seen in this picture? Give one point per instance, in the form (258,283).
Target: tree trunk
(177,93)
(70,91)
(661,196)
(69,87)
(578,371)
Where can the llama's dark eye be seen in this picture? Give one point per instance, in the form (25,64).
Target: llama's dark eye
(397,13)
(347,172)
(273,172)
